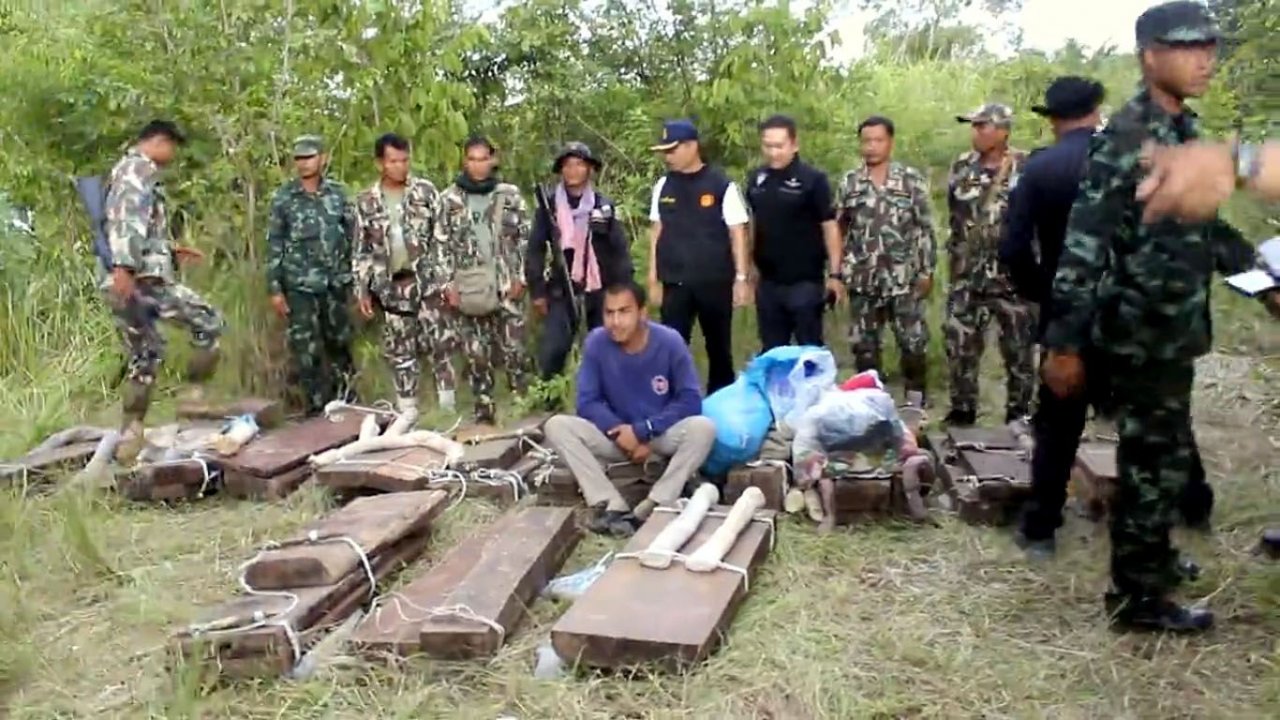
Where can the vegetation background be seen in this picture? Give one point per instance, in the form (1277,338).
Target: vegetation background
(89,583)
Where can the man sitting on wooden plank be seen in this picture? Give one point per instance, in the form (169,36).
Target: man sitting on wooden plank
(638,396)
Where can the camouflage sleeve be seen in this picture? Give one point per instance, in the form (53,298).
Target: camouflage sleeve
(128,215)
(926,241)
(346,248)
(955,226)
(515,252)
(361,253)
(1232,253)
(442,265)
(277,231)
(1105,194)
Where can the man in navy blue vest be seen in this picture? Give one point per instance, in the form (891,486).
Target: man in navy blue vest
(698,249)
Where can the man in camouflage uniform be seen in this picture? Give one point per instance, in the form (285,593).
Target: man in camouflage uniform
(889,253)
(309,274)
(481,236)
(978,197)
(1139,293)
(141,284)
(395,221)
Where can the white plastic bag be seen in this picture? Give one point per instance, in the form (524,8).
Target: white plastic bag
(571,587)
(796,376)
(864,421)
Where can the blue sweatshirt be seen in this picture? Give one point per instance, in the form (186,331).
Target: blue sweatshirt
(650,390)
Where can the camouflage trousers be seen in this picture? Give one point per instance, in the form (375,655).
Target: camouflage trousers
(144,344)
(906,312)
(1156,461)
(406,338)
(319,331)
(490,342)
(968,317)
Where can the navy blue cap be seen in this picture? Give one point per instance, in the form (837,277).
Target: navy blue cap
(675,132)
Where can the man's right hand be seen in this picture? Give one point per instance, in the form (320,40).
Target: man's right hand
(122,284)
(280,304)
(655,293)
(366,306)
(625,438)
(540,305)
(451,297)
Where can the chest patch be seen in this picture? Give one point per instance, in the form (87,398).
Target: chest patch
(660,385)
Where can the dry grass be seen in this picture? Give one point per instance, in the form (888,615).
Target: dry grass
(877,621)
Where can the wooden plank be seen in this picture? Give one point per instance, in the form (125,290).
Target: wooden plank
(561,488)
(401,470)
(276,451)
(524,552)
(998,437)
(178,480)
(771,479)
(373,523)
(267,650)
(996,464)
(1093,479)
(492,455)
(634,615)
(395,625)
(242,485)
(267,413)
(46,462)
(530,427)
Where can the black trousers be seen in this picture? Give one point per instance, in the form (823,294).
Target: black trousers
(786,310)
(711,305)
(560,327)
(1058,424)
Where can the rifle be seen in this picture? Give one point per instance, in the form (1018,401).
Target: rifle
(93,194)
(540,195)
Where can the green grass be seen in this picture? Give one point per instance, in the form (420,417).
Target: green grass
(881,620)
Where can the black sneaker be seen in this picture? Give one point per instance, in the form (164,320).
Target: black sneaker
(1269,544)
(615,523)
(1161,615)
(1037,550)
(961,418)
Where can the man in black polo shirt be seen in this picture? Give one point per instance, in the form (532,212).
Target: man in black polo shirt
(698,249)
(794,231)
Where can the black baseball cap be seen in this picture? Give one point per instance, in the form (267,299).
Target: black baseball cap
(1176,23)
(1070,97)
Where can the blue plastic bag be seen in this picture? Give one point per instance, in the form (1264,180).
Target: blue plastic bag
(742,417)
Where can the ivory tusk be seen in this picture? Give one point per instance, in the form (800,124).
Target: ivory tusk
(678,531)
(708,557)
(418,438)
(369,427)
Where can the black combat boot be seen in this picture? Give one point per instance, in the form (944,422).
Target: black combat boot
(1155,614)
(1037,549)
(961,418)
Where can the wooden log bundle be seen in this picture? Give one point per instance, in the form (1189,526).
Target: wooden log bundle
(62,451)
(470,603)
(1093,479)
(633,482)
(296,592)
(770,477)
(274,464)
(267,413)
(635,615)
(986,471)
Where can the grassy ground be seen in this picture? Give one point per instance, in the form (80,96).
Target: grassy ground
(881,620)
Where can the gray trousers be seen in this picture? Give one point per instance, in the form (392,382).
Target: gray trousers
(585,450)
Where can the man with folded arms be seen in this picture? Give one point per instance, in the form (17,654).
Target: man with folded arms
(638,397)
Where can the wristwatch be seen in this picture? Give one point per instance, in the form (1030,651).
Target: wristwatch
(1248,162)
(740,277)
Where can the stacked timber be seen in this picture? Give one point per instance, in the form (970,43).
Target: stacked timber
(770,477)
(670,597)
(298,590)
(176,464)
(987,472)
(558,486)
(468,604)
(274,464)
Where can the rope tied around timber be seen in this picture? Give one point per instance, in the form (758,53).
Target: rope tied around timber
(259,618)
(769,522)
(208,473)
(460,611)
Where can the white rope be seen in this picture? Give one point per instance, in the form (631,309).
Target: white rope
(332,409)
(436,477)
(683,559)
(459,611)
(782,482)
(543,453)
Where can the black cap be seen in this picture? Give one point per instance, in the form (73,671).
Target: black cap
(1070,97)
(578,150)
(1176,23)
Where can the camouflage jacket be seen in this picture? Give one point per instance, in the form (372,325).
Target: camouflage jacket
(372,264)
(456,246)
(1137,291)
(137,218)
(978,207)
(889,241)
(309,239)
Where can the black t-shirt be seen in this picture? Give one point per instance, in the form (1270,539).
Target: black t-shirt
(789,206)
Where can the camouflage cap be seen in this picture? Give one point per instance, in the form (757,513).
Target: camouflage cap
(994,113)
(308,146)
(576,149)
(1176,23)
